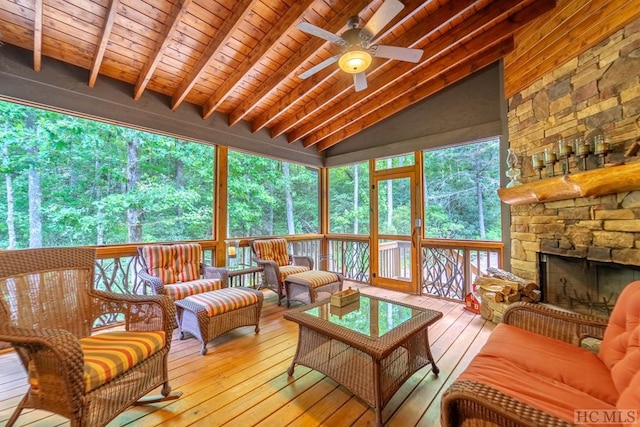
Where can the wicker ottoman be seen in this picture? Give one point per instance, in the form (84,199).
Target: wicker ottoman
(306,286)
(210,314)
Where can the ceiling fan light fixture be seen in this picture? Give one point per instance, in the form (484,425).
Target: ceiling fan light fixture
(354,61)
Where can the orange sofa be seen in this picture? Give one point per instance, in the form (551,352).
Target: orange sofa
(533,372)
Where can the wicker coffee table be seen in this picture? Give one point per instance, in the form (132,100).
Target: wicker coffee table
(371,347)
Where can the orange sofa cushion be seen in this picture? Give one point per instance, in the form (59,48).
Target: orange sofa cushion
(547,374)
(620,350)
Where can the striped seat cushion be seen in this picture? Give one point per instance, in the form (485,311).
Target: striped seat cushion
(272,250)
(182,290)
(110,354)
(288,270)
(316,278)
(224,300)
(173,263)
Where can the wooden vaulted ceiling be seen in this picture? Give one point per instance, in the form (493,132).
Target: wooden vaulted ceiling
(242,58)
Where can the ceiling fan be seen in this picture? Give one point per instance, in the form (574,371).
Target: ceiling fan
(358,44)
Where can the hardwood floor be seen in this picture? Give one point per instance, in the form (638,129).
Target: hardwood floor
(242,381)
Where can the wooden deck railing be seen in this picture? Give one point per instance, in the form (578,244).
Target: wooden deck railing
(449,266)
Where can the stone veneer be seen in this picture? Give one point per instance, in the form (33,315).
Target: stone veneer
(599,91)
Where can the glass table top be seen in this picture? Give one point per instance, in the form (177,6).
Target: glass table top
(369,316)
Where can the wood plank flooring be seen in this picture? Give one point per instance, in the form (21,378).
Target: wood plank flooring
(242,381)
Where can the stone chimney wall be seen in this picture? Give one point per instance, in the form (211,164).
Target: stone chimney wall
(596,92)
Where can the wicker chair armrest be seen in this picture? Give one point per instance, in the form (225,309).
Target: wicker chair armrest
(155,283)
(302,260)
(479,404)
(551,322)
(55,355)
(142,312)
(221,273)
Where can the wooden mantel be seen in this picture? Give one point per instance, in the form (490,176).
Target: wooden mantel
(593,183)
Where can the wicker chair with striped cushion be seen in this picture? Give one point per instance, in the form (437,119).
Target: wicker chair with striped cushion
(47,310)
(273,256)
(177,270)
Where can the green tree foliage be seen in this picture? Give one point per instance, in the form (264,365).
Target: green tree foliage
(344,215)
(460,194)
(257,199)
(82,167)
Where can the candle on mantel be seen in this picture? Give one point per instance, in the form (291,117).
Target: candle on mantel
(564,149)
(582,149)
(537,161)
(549,156)
(232,251)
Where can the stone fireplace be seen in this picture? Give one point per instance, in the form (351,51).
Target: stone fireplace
(597,92)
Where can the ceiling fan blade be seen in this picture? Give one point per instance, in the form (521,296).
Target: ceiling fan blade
(321,66)
(319,32)
(360,81)
(384,15)
(399,53)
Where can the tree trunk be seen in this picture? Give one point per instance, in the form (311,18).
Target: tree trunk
(356,185)
(483,234)
(11,226)
(35,190)
(287,197)
(134,215)
(179,182)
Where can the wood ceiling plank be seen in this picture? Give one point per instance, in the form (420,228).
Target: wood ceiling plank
(296,60)
(241,9)
(285,24)
(308,85)
(470,64)
(112,12)
(475,41)
(178,11)
(37,35)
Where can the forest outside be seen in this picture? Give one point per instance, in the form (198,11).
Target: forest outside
(71,181)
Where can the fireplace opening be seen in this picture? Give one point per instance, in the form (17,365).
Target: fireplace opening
(581,285)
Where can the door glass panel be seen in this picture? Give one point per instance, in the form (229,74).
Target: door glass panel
(394,219)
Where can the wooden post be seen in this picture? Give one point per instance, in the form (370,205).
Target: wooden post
(220,200)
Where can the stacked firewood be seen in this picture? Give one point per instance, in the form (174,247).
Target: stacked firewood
(500,288)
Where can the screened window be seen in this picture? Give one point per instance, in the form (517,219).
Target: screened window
(271,197)
(349,199)
(72,182)
(395,162)
(460,199)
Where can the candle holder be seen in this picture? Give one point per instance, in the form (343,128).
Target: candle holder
(601,148)
(581,151)
(232,252)
(550,159)
(538,163)
(564,152)
(513,172)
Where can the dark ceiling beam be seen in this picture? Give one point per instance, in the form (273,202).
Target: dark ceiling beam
(295,61)
(310,84)
(285,24)
(178,10)
(110,19)
(219,40)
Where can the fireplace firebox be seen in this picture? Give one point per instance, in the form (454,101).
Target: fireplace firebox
(581,285)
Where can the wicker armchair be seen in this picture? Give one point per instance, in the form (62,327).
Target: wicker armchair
(47,311)
(472,401)
(273,255)
(178,271)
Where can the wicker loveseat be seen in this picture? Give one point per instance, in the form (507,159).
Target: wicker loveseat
(47,310)
(531,372)
(273,255)
(177,270)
